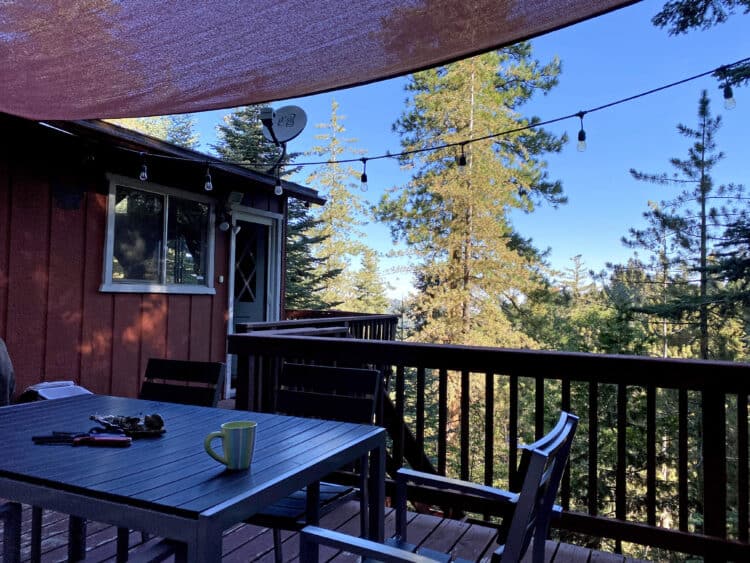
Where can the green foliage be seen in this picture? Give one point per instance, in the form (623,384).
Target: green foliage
(682,16)
(682,238)
(176,129)
(342,248)
(241,140)
(468,260)
(303,286)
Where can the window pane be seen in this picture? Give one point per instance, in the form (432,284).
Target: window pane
(187,242)
(139,224)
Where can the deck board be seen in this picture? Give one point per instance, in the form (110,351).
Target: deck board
(251,544)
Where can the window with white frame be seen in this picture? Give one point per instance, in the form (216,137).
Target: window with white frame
(159,240)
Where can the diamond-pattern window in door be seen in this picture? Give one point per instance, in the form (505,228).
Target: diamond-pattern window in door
(245,270)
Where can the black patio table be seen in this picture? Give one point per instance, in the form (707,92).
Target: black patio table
(168,485)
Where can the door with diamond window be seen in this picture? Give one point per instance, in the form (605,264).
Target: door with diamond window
(250,272)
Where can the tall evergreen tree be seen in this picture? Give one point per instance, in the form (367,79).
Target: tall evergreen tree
(176,129)
(181,131)
(454,219)
(341,239)
(241,140)
(369,286)
(683,233)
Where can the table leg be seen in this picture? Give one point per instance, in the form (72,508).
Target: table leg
(76,538)
(206,544)
(312,504)
(377,493)
(11,513)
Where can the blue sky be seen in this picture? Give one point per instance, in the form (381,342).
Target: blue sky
(605,59)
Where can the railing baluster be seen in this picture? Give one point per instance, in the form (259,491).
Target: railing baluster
(465,419)
(420,408)
(714,463)
(442,420)
(651,455)
(743,482)
(398,441)
(593,479)
(565,485)
(620,483)
(539,406)
(682,459)
(489,429)
(513,432)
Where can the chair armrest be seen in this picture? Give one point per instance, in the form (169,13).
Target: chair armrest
(363,548)
(447,483)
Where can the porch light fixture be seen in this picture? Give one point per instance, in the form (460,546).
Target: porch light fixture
(729,101)
(208,186)
(223,223)
(581,134)
(363,177)
(144,169)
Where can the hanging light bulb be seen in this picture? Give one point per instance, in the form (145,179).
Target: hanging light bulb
(462,159)
(363,177)
(278,190)
(581,134)
(729,101)
(209,185)
(144,169)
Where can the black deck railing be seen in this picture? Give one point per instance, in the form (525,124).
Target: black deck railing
(657,444)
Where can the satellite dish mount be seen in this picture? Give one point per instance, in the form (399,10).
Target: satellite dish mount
(281,126)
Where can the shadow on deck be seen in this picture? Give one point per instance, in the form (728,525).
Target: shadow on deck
(244,543)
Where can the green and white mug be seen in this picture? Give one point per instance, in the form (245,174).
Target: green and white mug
(238,443)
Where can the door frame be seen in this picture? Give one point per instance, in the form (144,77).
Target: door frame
(273,268)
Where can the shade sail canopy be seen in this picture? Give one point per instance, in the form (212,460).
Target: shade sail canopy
(108,58)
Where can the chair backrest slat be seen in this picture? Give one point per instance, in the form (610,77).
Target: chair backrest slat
(183,381)
(334,393)
(541,469)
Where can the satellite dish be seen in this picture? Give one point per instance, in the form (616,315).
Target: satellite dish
(285,123)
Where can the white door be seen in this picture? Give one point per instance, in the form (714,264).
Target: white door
(254,272)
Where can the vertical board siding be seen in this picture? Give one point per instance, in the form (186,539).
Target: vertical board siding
(126,345)
(98,308)
(28,275)
(65,298)
(56,322)
(178,326)
(200,330)
(4,231)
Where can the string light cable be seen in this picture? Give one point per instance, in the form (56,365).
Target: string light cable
(719,71)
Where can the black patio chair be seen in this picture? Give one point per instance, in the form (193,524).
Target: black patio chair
(177,381)
(531,508)
(333,393)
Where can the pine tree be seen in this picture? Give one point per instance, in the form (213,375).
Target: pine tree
(181,131)
(683,233)
(175,129)
(241,140)
(369,286)
(454,219)
(339,221)
(303,286)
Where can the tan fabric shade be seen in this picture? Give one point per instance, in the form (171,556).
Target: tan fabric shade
(65,59)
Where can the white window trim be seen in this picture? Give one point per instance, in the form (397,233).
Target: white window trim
(139,287)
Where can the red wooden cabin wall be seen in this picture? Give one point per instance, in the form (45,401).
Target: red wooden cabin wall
(56,323)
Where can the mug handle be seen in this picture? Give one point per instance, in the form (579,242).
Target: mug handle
(209,450)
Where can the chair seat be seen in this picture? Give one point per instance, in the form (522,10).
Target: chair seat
(289,512)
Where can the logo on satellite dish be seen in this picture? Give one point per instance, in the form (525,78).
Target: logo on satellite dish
(283,124)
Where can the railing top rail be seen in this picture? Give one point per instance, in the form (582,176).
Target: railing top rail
(250,327)
(728,377)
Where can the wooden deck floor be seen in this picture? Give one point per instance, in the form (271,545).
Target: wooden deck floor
(247,544)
